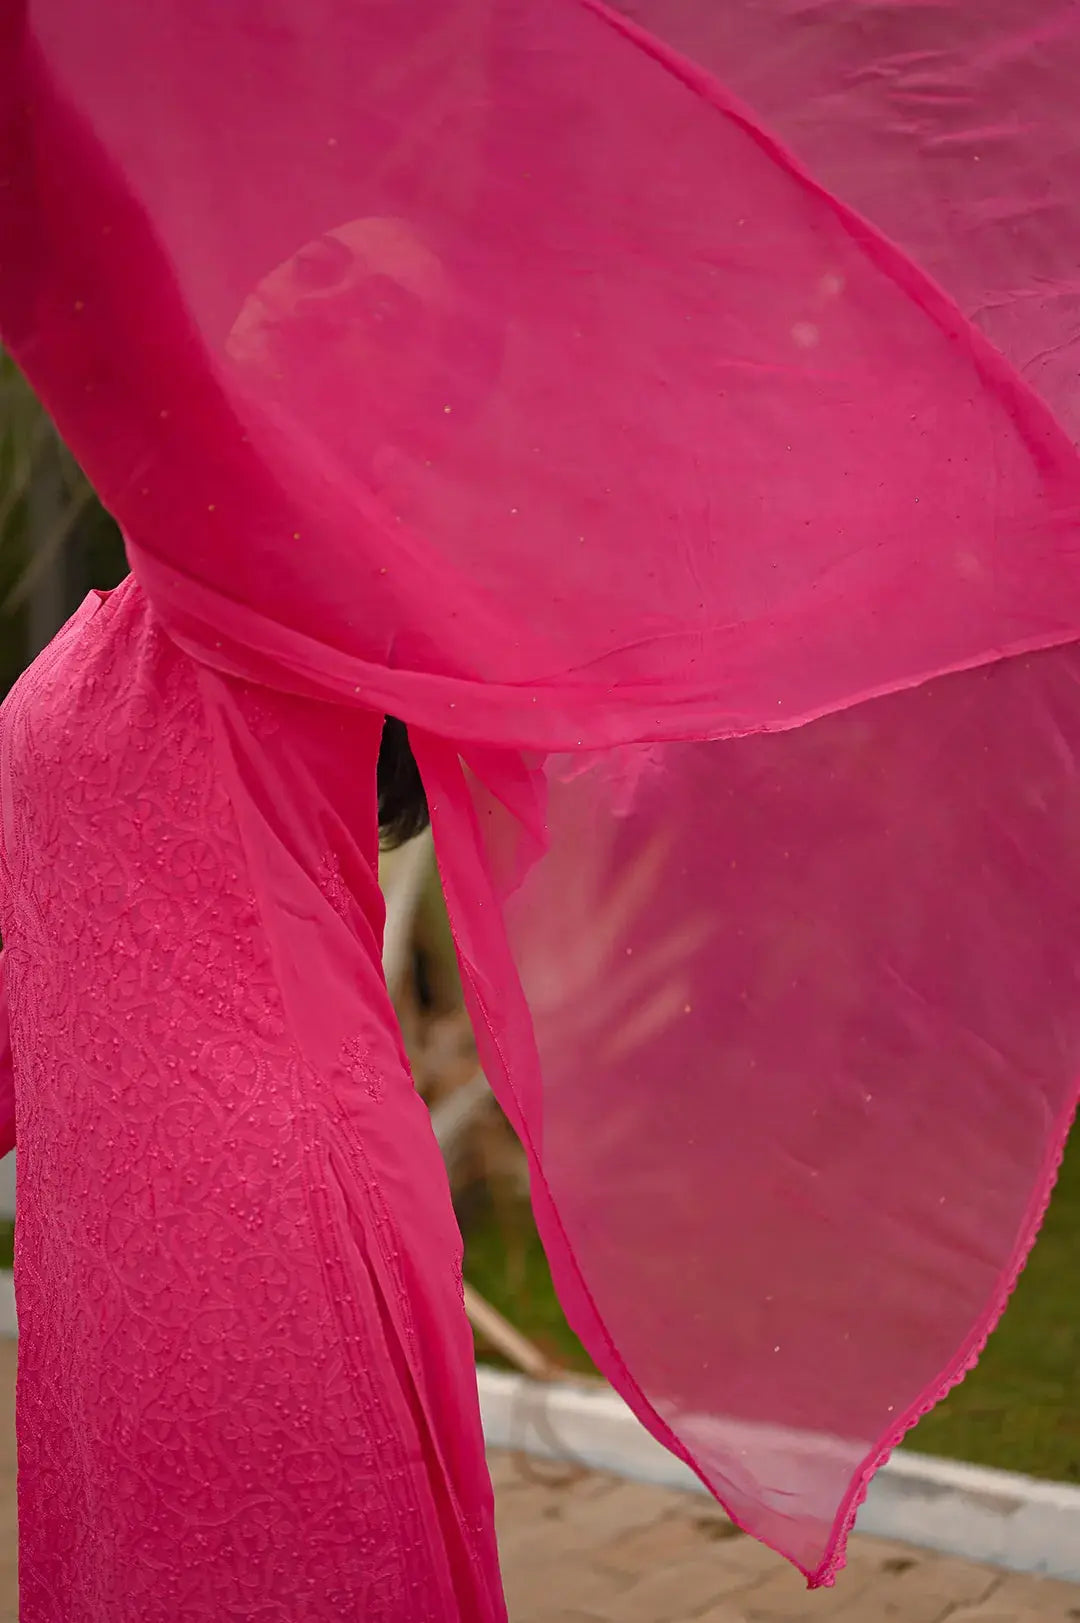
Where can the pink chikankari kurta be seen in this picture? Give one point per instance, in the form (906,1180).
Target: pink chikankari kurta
(246,1384)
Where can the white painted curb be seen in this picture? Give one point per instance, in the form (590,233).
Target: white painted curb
(997,1517)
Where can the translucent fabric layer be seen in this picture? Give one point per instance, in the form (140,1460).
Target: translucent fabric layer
(490,363)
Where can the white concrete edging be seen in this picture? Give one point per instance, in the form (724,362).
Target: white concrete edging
(997,1517)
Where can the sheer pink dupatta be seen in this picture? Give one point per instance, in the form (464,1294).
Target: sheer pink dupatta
(712,521)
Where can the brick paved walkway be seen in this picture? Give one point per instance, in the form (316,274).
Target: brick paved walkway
(591,1549)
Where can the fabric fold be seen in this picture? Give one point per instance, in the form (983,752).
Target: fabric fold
(661,408)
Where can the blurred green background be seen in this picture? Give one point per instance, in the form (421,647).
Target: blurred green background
(56,542)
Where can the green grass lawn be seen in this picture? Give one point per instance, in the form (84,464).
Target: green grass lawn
(1020,1409)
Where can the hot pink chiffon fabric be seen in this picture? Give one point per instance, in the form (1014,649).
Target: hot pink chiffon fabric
(668,408)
